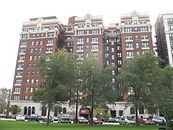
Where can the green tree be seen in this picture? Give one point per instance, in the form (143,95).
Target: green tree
(139,76)
(3,99)
(14,109)
(58,74)
(164,93)
(97,87)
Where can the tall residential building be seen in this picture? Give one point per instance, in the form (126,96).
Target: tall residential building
(39,37)
(136,34)
(164,37)
(88,36)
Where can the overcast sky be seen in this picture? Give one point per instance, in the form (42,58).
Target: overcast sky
(14,12)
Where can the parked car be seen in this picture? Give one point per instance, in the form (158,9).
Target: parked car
(56,120)
(114,120)
(126,121)
(81,119)
(65,118)
(149,122)
(33,117)
(159,120)
(20,117)
(96,121)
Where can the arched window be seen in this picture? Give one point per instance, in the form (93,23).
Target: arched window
(43,112)
(59,109)
(33,110)
(141,110)
(25,110)
(64,110)
(132,110)
(55,111)
(29,110)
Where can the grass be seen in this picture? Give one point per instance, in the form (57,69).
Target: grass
(7,125)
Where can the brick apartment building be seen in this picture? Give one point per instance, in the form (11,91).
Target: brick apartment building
(82,36)
(136,32)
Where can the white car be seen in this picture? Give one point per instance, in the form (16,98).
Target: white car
(126,121)
(20,117)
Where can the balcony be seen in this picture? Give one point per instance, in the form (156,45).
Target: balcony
(94,50)
(129,40)
(21,53)
(19,68)
(49,44)
(16,92)
(144,39)
(19,76)
(79,50)
(21,61)
(17,84)
(49,52)
(80,43)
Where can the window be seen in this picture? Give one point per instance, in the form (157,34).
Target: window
(143,37)
(95,31)
(21,57)
(136,37)
(87,39)
(16,97)
(107,62)
(141,110)
(81,25)
(95,47)
(79,47)
(19,73)
(144,45)
(94,24)
(20,65)
(118,48)
(87,32)
(23,43)
(31,90)
(27,81)
(80,40)
(137,45)
(112,49)
(144,29)
(17,90)
(106,55)
(27,90)
(132,110)
(35,57)
(112,42)
(135,21)
(119,62)
(120,112)
(129,45)
(87,47)
(127,29)
(113,72)
(129,37)
(95,39)
(170,27)
(30,58)
(113,57)
(129,54)
(88,24)
(22,50)
(18,81)
(119,55)
(50,42)
(113,80)
(49,49)
(32,81)
(80,32)
(49,34)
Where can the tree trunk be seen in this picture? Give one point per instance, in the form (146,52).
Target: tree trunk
(48,115)
(92,105)
(76,119)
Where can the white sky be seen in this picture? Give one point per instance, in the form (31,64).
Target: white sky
(14,12)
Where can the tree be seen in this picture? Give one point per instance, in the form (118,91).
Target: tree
(139,76)
(97,87)
(164,93)
(14,109)
(4,94)
(58,74)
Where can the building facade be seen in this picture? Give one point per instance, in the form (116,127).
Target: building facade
(39,37)
(88,37)
(82,36)
(164,37)
(136,32)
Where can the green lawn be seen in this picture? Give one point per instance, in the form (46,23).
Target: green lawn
(5,125)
